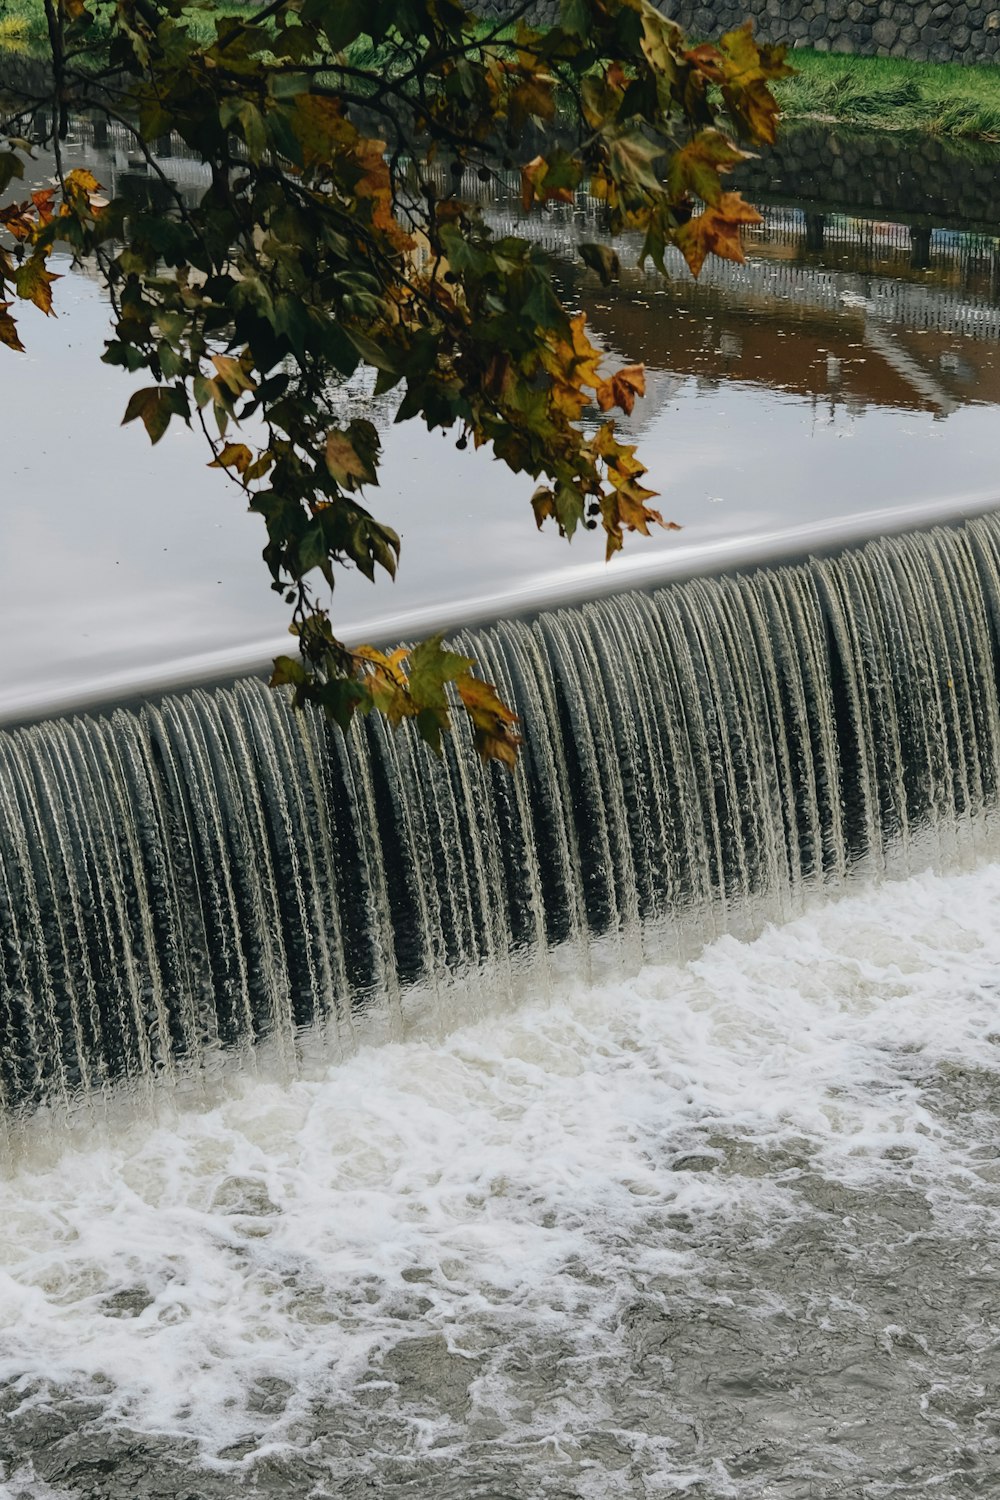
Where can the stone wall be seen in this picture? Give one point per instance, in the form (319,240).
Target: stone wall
(937,30)
(917,180)
(921,29)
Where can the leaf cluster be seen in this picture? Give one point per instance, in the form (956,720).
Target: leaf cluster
(342,229)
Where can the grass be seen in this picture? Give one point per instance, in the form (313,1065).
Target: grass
(888,93)
(23,27)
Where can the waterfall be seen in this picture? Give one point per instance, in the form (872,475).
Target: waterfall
(215,872)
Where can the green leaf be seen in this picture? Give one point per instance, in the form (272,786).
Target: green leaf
(156,404)
(431,666)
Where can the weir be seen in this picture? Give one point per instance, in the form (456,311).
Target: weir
(216,871)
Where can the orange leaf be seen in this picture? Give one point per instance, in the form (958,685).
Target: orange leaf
(622,389)
(716,231)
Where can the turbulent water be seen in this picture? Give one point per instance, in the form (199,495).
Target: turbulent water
(201,877)
(298,1202)
(724,1229)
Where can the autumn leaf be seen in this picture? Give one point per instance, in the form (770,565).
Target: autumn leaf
(493,733)
(19,220)
(82,180)
(233,456)
(716,231)
(385,680)
(586,357)
(563,503)
(343,462)
(319,128)
(8,329)
(746,70)
(696,167)
(661,42)
(430,667)
(632,158)
(375,185)
(232,374)
(43,199)
(156,404)
(622,389)
(532,175)
(33,282)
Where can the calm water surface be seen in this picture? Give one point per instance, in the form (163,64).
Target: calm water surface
(820,384)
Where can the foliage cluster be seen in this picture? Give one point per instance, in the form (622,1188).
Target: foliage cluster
(340,230)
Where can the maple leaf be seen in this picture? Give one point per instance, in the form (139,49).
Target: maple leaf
(567,400)
(430,667)
(233,456)
(18,220)
(33,281)
(696,167)
(716,231)
(586,356)
(232,374)
(319,127)
(43,199)
(343,462)
(661,42)
(83,180)
(492,721)
(746,69)
(532,174)
(375,185)
(8,329)
(622,389)
(156,404)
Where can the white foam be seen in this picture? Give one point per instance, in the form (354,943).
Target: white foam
(507,1193)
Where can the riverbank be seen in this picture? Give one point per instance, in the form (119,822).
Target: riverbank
(888,93)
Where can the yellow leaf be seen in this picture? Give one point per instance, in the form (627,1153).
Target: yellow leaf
(567,400)
(33,281)
(233,456)
(82,179)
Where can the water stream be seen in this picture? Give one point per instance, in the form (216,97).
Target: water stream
(218,871)
(629,1127)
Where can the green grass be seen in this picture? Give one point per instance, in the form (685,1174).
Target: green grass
(23,27)
(888,93)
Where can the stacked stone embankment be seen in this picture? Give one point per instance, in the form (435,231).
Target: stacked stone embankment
(966,31)
(898,177)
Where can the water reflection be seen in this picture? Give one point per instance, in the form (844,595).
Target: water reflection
(848,371)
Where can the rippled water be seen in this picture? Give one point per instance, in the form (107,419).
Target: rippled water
(727,1229)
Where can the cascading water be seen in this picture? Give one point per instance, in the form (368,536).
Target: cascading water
(218,870)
